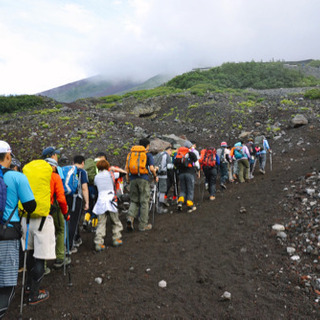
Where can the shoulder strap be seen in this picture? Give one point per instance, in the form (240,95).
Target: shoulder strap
(11,215)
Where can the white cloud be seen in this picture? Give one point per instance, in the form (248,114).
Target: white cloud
(46,44)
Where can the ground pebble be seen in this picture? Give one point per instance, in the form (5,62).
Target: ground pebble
(162,284)
(98,280)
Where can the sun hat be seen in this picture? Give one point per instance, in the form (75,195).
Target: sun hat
(188,144)
(5,148)
(224,144)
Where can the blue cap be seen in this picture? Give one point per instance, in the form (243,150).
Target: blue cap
(48,152)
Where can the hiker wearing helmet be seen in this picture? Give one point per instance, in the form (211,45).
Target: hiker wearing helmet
(17,189)
(224,155)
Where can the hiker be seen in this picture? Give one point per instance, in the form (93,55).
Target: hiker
(162,160)
(55,211)
(17,189)
(90,219)
(188,165)
(251,147)
(59,212)
(210,162)
(15,165)
(241,154)
(224,156)
(172,179)
(139,161)
(106,205)
(262,147)
(39,229)
(77,199)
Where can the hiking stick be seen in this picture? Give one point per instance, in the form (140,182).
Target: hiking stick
(254,165)
(65,247)
(175,183)
(68,252)
(270,161)
(154,202)
(24,266)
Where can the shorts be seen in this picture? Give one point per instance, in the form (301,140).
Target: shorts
(42,242)
(9,262)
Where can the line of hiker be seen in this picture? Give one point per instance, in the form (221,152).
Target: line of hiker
(41,207)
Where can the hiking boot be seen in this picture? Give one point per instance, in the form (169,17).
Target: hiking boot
(41,296)
(99,247)
(262,171)
(146,228)
(223,186)
(130,224)
(60,262)
(117,243)
(77,243)
(46,271)
(180,206)
(191,209)
(206,186)
(166,203)
(212,198)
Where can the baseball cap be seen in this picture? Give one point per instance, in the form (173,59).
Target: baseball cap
(188,144)
(50,151)
(5,148)
(52,162)
(224,144)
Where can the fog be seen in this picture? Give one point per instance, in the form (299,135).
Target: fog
(46,44)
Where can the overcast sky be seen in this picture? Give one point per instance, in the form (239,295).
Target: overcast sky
(48,43)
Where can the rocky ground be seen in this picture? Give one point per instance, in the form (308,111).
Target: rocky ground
(266,256)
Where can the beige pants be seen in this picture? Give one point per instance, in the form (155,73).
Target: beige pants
(102,227)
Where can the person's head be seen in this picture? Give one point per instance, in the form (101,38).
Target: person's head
(194,144)
(224,144)
(103,165)
(50,152)
(6,154)
(15,164)
(250,140)
(145,143)
(53,163)
(100,156)
(79,161)
(169,150)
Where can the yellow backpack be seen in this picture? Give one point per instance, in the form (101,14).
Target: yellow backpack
(39,174)
(137,160)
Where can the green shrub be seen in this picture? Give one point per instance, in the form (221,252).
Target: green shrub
(12,103)
(312,94)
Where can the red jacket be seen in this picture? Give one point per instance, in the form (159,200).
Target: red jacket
(58,191)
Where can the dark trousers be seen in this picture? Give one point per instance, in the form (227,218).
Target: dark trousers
(75,210)
(35,272)
(211,178)
(6,295)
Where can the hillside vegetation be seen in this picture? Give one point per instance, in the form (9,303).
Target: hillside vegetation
(256,75)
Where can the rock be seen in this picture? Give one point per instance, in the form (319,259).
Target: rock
(162,284)
(278,227)
(244,134)
(226,295)
(98,280)
(157,145)
(310,191)
(295,258)
(298,121)
(282,235)
(291,250)
(243,210)
(142,110)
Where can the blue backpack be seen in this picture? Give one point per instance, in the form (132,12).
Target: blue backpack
(3,193)
(238,153)
(70,180)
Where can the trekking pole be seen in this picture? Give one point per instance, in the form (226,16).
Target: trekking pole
(175,183)
(68,253)
(24,266)
(154,200)
(65,247)
(270,161)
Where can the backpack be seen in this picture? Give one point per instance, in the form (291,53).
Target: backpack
(238,153)
(209,158)
(182,158)
(39,174)
(3,192)
(258,141)
(71,180)
(137,160)
(160,161)
(91,168)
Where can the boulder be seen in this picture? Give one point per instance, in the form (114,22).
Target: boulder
(142,110)
(157,145)
(298,121)
(244,134)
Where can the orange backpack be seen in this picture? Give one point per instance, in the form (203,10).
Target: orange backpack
(137,161)
(182,158)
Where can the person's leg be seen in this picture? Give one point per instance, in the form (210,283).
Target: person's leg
(116,226)
(59,232)
(101,229)
(6,295)
(183,188)
(144,190)
(241,170)
(189,178)
(213,181)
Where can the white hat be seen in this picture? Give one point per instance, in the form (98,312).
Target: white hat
(5,148)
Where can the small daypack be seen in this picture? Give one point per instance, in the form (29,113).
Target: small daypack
(209,158)
(258,142)
(182,158)
(39,174)
(71,180)
(3,193)
(91,168)
(136,162)
(238,153)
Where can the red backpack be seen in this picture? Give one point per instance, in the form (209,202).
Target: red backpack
(182,158)
(209,158)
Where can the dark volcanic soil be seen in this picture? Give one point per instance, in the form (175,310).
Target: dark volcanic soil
(200,256)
